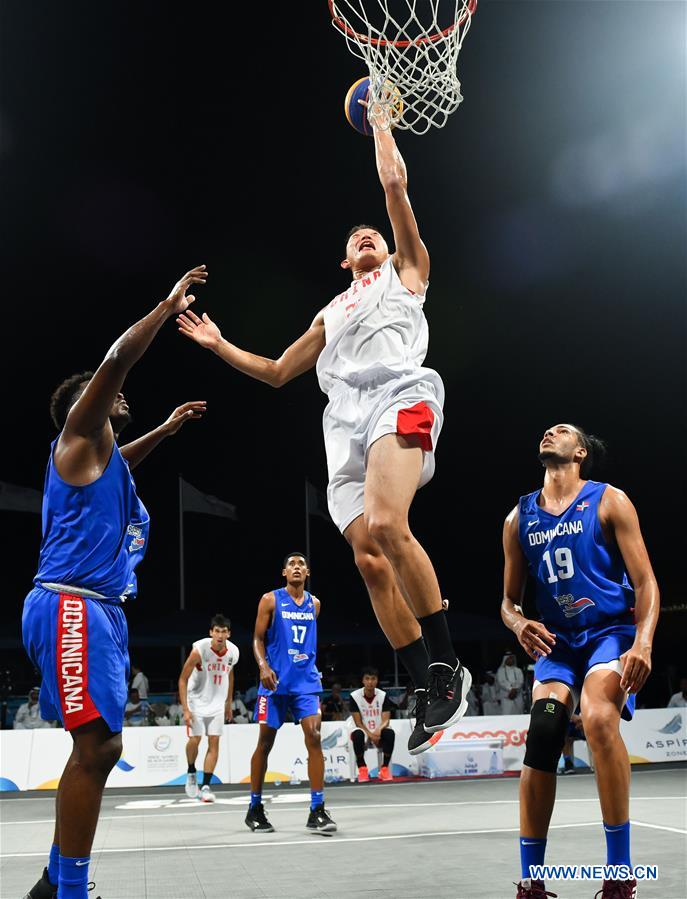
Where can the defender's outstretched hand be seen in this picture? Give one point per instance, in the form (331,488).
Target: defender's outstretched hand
(177,300)
(184,413)
(203,330)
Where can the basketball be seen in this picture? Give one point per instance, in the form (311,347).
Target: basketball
(356,114)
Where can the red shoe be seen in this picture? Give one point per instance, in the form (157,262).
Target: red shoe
(618,889)
(363,775)
(533,889)
(385,773)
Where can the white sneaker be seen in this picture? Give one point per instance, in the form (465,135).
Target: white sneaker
(206,794)
(192,785)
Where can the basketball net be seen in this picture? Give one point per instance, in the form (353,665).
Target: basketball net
(412,45)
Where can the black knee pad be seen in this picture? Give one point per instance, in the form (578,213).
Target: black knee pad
(545,738)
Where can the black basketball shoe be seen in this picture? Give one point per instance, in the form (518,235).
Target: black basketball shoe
(447,692)
(419,739)
(256,819)
(319,821)
(43,889)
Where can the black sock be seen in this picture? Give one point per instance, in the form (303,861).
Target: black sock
(207,777)
(436,633)
(191,769)
(415,661)
(387,759)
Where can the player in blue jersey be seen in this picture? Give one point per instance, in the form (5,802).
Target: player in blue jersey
(95,532)
(580,540)
(285,648)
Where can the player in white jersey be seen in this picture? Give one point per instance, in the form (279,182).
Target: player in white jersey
(371,712)
(381,427)
(206,694)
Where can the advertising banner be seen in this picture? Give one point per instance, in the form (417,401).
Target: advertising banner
(155,756)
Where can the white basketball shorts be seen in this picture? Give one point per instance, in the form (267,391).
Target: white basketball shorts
(212,726)
(355,417)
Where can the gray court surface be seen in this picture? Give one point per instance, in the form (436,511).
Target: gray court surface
(453,839)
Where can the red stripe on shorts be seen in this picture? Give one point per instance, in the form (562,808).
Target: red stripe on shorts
(72,662)
(262,709)
(416,422)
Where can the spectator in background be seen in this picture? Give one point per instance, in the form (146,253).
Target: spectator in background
(491,702)
(28,715)
(511,682)
(240,714)
(175,712)
(250,697)
(371,711)
(334,708)
(139,681)
(406,703)
(473,702)
(679,699)
(136,710)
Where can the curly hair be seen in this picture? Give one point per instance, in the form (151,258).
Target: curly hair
(65,395)
(596,451)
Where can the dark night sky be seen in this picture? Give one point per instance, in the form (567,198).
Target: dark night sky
(137,142)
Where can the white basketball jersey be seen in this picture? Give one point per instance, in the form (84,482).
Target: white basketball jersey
(208,684)
(370,711)
(376,330)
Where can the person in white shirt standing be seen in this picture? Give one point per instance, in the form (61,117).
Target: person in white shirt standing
(139,681)
(206,693)
(511,682)
(371,712)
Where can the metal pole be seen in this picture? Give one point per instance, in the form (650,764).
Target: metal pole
(182,592)
(307,532)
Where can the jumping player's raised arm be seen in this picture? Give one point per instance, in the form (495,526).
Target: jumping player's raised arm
(298,358)
(411,258)
(190,664)
(618,515)
(534,638)
(85,445)
(268,677)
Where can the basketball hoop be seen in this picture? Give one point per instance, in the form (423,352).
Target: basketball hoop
(412,45)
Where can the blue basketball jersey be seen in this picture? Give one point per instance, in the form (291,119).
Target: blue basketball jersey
(581,581)
(93,535)
(291,645)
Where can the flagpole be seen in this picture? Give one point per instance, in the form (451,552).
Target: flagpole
(182,593)
(307,531)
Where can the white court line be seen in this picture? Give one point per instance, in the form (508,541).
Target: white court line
(332,841)
(205,808)
(657,826)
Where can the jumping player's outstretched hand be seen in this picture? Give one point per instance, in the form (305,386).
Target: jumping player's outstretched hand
(177,301)
(203,330)
(636,664)
(184,413)
(534,638)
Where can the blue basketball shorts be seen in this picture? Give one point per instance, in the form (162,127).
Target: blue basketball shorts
(80,646)
(575,656)
(271,709)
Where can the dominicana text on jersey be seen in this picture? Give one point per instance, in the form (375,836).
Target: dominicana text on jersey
(291,645)
(581,579)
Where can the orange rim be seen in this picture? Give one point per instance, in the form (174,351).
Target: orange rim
(381,42)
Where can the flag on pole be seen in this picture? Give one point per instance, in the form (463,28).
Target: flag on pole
(192,500)
(316,501)
(20,499)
